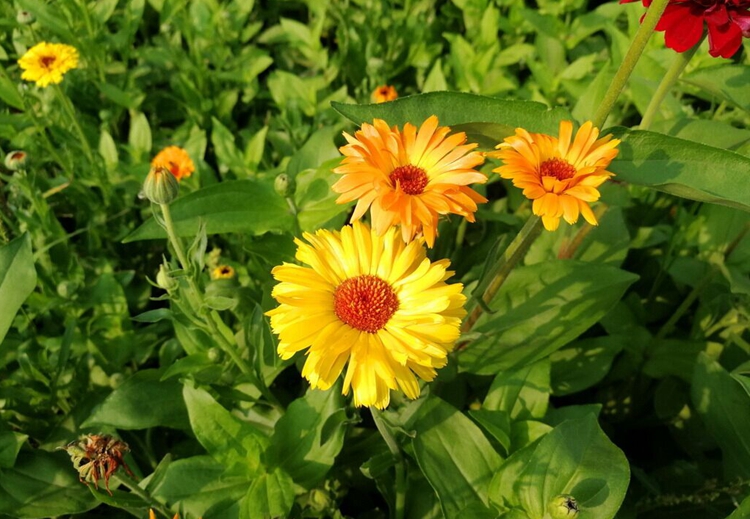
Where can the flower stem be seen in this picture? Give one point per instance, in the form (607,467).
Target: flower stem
(505,264)
(400,507)
(667,82)
(138,491)
(68,106)
(631,59)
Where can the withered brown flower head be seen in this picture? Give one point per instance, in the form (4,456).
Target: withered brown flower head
(97,456)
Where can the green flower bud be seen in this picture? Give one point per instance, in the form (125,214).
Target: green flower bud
(16,160)
(161,186)
(319,500)
(25,17)
(215,355)
(164,279)
(284,185)
(116,380)
(563,506)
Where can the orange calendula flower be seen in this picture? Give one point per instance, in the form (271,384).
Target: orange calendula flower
(46,63)
(560,174)
(372,302)
(176,160)
(409,177)
(384,93)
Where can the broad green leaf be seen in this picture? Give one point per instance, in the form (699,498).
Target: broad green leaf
(307,439)
(501,491)
(241,206)
(315,199)
(496,423)
(522,393)
(677,358)
(727,82)
(235,444)
(724,406)
(743,512)
(454,456)
(584,363)
(704,131)
(17,279)
(48,18)
(526,432)
(541,308)
(43,485)
(9,91)
(141,402)
(485,119)
(230,157)
(10,445)
(683,168)
(578,459)
(318,149)
(269,495)
(198,483)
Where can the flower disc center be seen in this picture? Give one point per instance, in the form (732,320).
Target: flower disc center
(559,168)
(47,61)
(365,302)
(412,179)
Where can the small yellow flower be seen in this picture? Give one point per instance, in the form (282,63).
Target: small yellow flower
(222,272)
(384,94)
(409,177)
(369,301)
(176,160)
(560,176)
(46,63)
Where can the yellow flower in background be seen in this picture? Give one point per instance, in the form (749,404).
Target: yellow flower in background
(176,160)
(370,302)
(384,94)
(46,63)
(560,174)
(222,272)
(409,177)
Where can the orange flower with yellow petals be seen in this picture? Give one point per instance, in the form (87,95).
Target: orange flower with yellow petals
(409,177)
(560,174)
(176,160)
(369,302)
(384,93)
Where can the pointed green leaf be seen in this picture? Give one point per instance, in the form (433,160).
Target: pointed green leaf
(17,279)
(270,495)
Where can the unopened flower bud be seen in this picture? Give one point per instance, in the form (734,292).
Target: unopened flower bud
(161,186)
(563,506)
(25,17)
(16,160)
(165,280)
(284,185)
(215,355)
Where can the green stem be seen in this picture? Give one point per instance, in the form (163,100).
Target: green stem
(667,82)
(505,264)
(686,303)
(400,507)
(224,344)
(68,106)
(631,59)
(138,491)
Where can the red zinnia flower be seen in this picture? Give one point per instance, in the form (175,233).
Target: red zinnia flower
(682,22)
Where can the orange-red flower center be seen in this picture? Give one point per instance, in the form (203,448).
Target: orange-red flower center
(365,303)
(18,155)
(412,179)
(561,169)
(47,61)
(174,168)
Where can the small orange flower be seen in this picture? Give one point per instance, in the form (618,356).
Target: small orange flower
(409,177)
(559,176)
(384,93)
(223,272)
(176,160)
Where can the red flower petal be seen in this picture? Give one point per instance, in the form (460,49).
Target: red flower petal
(724,40)
(682,27)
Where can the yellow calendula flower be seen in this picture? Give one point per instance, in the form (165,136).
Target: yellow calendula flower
(384,93)
(409,177)
(176,160)
(46,63)
(560,174)
(372,303)
(223,272)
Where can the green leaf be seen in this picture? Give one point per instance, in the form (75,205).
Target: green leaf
(728,82)
(486,120)
(9,91)
(235,444)
(139,136)
(522,393)
(42,485)
(230,158)
(541,308)
(316,200)
(578,459)
(241,206)
(141,402)
(497,423)
(675,357)
(10,445)
(307,439)
(319,148)
(108,150)
(724,406)
(270,495)
(17,279)
(454,456)
(683,168)
(584,363)
(48,18)
(743,512)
